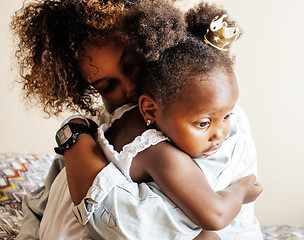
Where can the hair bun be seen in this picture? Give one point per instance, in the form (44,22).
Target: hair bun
(153,26)
(199,18)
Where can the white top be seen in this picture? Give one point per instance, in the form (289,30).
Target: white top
(115,208)
(123,159)
(58,221)
(235,159)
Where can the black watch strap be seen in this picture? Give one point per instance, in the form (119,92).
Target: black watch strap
(67,135)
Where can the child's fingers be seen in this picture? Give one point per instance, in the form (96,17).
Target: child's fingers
(259,187)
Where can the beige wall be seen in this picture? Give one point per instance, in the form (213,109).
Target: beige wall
(270,74)
(20,129)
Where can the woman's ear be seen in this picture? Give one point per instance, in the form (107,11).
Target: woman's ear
(148,108)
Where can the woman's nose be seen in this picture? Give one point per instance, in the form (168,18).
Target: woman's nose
(130,89)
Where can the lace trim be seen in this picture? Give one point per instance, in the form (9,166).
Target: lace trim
(123,159)
(117,114)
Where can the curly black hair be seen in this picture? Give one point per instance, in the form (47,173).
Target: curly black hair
(187,60)
(51,34)
(153,26)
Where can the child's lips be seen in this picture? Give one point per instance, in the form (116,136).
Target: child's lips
(211,151)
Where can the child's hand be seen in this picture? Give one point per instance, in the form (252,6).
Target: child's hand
(252,188)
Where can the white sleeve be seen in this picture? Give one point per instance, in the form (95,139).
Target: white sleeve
(103,183)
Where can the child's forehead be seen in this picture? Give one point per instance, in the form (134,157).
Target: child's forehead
(211,92)
(216,80)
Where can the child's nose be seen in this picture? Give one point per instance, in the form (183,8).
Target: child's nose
(217,134)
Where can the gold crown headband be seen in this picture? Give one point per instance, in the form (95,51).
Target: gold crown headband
(219,35)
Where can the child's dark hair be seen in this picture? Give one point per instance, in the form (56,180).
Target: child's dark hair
(192,58)
(51,34)
(153,26)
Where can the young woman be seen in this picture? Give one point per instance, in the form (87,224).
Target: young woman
(53,35)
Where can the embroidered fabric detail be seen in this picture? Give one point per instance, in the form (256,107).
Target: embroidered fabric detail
(123,159)
(117,114)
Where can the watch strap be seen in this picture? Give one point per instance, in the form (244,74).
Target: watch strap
(76,129)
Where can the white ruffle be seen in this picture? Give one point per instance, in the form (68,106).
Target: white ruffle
(123,159)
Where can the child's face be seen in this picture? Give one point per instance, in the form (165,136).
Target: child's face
(111,70)
(198,123)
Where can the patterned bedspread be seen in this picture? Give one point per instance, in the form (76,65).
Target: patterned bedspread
(284,232)
(21,173)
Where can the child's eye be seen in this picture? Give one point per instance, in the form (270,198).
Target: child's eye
(203,124)
(227,116)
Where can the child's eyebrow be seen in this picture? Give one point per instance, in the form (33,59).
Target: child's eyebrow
(200,112)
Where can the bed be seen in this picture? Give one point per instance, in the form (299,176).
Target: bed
(23,172)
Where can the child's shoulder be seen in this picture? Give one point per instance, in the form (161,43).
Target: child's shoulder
(164,154)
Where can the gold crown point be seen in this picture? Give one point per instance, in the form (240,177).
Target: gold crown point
(219,35)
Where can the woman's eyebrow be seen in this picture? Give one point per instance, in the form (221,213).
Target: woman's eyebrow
(122,57)
(120,61)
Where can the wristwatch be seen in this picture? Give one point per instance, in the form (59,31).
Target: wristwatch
(67,135)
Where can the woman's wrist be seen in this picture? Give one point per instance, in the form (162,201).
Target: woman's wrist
(77,119)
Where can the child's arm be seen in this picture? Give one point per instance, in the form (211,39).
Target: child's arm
(185,184)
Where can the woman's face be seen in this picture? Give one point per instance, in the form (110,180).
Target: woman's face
(110,70)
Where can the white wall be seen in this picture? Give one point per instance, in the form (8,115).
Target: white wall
(20,129)
(271,79)
(270,73)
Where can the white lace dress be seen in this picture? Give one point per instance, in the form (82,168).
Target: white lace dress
(123,159)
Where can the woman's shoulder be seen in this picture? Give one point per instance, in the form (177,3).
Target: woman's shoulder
(239,122)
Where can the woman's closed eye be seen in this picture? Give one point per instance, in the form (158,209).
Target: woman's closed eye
(107,86)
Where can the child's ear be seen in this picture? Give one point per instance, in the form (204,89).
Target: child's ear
(148,108)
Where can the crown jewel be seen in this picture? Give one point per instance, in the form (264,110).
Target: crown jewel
(219,35)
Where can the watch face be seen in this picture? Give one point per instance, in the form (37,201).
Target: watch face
(64,134)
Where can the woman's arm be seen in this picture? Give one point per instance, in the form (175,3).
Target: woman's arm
(185,184)
(84,160)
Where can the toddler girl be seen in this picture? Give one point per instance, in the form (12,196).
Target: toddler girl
(171,79)
(192,60)
(189,95)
